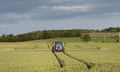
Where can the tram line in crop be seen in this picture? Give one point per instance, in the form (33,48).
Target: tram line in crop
(62,62)
(88,64)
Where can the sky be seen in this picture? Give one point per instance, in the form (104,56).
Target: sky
(22,16)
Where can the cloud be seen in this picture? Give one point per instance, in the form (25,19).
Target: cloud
(3,26)
(68,8)
(13,15)
(114,13)
(55,9)
(51,14)
(72,8)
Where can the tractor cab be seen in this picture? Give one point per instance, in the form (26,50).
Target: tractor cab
(58,46)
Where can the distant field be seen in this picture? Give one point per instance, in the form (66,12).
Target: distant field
(36,56)
(78,39)
(102,34)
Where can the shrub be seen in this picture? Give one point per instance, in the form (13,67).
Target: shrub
(86,37)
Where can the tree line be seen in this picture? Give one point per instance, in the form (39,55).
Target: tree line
(41,35)
(111,29)
(46,34)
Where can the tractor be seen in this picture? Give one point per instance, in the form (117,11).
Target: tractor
(58,46)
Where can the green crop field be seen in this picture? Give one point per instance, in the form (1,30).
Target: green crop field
(36,56)
(78,39)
